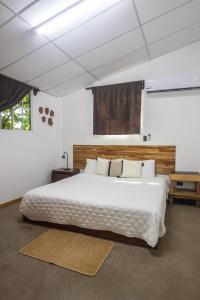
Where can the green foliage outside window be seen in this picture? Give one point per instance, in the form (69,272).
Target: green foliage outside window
(18,117)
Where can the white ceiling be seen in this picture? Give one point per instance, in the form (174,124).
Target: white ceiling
(97,38)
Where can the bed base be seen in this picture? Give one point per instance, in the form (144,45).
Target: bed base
(96,233)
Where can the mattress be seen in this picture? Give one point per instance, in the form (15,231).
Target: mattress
(133,207)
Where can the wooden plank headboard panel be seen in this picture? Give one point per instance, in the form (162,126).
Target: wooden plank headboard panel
(163,155)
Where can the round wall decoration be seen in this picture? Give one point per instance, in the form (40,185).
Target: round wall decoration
(46,112)
(43,119)
(50,121)
(51,113)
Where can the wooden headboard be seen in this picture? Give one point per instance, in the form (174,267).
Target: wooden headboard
(163,155)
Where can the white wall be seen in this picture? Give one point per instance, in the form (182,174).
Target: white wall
(172,119)
(27,158)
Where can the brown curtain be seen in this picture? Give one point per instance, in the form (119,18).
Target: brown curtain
(12,91)
(117,108)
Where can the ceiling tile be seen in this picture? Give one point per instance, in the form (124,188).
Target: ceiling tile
(105,27)
(174,21)
(175,41)
(44,10)
(17,39)
(17,5)
(38,62)
(122,63)
(153,8)
(74,17)
(57,76)
(72,85)
(5,14)
(107,53)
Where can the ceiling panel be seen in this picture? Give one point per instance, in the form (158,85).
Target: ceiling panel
(72,85)
(75,16)
(175,41)
(17,40)
(153,8)
(119,47)
(57,76)
(116,21)
(101,36)
(173,21)
(45,9)
(17,5)
(39,62)
(122,63)
(5,14)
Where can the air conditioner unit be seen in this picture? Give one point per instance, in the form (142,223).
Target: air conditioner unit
(172,83)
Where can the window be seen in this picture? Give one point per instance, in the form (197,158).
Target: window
(18,117)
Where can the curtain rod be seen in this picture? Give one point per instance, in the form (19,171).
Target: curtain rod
(121,83)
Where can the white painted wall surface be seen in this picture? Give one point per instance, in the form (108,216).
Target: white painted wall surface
(27,158)
(172,119)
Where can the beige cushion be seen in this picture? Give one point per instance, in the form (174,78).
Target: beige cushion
(132,168)
(115,167)
(102,166)
(90,166)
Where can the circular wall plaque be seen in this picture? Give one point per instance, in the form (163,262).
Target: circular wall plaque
(40,109)
(50,121)
(43,118)
(46,110)
(51,113)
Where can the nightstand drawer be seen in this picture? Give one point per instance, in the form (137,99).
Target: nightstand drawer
(184,177)
(57,177)
(60,174)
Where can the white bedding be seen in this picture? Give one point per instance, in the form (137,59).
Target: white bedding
(132,207)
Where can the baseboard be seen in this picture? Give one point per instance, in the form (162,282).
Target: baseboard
(7,203)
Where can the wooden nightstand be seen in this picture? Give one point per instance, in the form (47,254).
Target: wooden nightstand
(182,193)
(60,174)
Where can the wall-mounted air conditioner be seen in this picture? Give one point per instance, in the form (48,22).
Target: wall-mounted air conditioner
(172,83)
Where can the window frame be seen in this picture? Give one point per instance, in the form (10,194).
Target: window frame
(12,118)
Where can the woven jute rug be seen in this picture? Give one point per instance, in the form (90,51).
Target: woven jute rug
(74,251)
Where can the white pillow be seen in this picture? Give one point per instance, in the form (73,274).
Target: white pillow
(102,166)
(131,168)
(148,168)
(90,166)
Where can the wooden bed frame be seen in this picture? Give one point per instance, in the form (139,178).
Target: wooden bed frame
(165,164)
(96,233)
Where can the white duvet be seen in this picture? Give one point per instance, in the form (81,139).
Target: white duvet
(131,207)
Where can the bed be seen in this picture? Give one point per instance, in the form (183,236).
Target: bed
(132,208)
